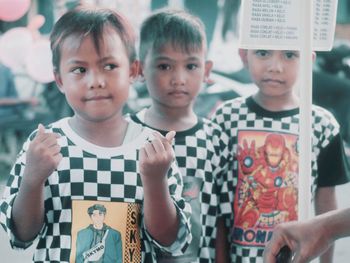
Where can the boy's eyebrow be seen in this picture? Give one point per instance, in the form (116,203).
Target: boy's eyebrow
(78,61)
(191,58)
(106,59)
(75,61)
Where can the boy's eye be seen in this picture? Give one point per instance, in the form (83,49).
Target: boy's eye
(79,70)
(291,54)
(164,66)
(192,66)
(262,53)
(110,66)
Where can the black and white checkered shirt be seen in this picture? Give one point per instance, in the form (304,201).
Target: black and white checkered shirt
(202,153)
(243,117)
(91,172)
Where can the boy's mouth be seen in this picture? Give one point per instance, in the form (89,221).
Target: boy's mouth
(178,92)
(97,98)
(274,81)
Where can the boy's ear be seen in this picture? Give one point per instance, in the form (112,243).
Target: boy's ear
(207,70)
(243,53)
(140,70)
(140,76)
(314,56)
(134,70)
(58,80)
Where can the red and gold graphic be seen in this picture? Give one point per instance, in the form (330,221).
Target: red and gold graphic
(267,185)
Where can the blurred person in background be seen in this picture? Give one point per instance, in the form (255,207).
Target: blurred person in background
(11,105)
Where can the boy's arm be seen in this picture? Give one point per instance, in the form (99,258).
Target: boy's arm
(226,189)
(160,214)
(325,200)
(221,244)
(28,211)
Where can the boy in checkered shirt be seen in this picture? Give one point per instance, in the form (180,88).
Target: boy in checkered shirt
(265,128)
(96,156)
(174,66)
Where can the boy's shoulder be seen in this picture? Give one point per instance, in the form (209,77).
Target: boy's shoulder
(208,122)
(232,107)
(234,103)
(213,131)
(323,117)
(210,125)
(322,112)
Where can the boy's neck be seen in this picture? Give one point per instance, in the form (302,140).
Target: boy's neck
(108,133)
(281,103)
(167,119)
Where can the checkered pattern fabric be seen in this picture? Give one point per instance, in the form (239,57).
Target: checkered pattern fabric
(90,172)
(244,114)
(202,153)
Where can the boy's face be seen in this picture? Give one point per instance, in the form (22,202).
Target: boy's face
(273,71)
(174,77)
(96,84)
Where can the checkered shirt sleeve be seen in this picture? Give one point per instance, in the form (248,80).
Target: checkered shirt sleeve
(183,209)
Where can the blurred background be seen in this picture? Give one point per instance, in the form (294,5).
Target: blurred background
(28,94)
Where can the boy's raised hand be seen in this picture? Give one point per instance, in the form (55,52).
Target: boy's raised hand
(157,155)
(43,156)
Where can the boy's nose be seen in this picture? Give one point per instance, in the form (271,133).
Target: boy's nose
(96,81)
(178,78)
(276,65)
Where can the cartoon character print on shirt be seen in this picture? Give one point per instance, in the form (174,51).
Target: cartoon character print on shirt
(117,241)
(267,185)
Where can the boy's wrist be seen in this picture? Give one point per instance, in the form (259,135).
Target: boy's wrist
(154,183)
(332,230)
(29,181)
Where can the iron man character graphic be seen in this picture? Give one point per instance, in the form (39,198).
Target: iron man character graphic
(267,189)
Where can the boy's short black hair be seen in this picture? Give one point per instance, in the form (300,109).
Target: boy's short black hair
(98,207)
(82,22)
(178,27)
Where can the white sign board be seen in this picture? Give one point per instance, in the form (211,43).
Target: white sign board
(276,24)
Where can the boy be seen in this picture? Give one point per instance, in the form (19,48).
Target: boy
(96,155)
(265,130)
(173,65)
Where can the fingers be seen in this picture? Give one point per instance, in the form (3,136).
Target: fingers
(269,257)
(43,155)
(300,256)
(41,130)
(170,136)
(253,146)
(46,141)
(271,251)
(245,144)
(153,147)
(42,135)
(274,246)
(156,156)
(159,147)
(165,141)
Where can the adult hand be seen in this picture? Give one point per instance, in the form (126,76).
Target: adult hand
(306,239)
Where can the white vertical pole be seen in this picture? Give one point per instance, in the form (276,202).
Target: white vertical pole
(305,93)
